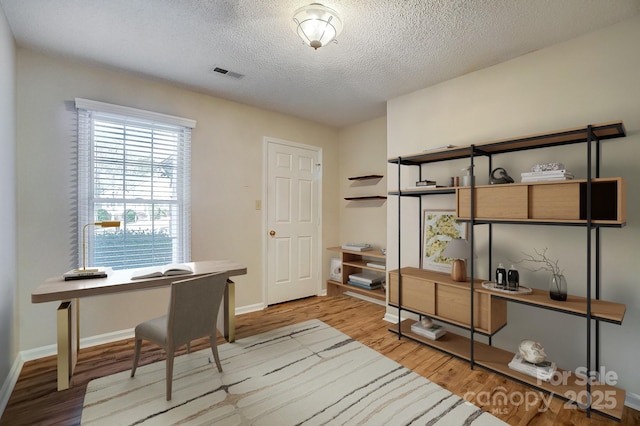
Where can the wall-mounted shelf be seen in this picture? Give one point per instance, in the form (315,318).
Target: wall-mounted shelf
(366,177)
(368,197)
(361,181)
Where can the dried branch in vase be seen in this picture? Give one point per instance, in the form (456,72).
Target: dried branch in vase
(543,262)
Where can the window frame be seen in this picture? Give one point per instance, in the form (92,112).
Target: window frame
(87,111)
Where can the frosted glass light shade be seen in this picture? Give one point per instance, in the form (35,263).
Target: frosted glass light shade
(316,25)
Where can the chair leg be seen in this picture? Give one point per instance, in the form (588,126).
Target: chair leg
(214,349)
(136,356)
(170,355)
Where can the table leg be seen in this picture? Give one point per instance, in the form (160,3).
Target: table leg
(68,320)
(227,315)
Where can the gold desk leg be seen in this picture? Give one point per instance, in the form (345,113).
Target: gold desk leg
(68,341)
(228,311)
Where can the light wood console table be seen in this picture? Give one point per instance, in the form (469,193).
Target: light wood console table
(69,292)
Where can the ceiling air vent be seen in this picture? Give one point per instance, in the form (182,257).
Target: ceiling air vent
(228,73)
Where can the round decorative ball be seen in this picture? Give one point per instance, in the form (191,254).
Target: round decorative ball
(532,351)
(426,322)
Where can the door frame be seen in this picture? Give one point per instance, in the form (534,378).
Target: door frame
(266,141)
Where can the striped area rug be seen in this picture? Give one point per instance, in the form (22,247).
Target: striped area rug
(304,374)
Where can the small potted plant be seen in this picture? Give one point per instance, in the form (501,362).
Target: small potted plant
(557,281)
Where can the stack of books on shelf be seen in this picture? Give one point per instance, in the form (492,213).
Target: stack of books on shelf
(377,265)
(546,175)
(542,371)
(369,280)
(424,184)
(433,331)
(357,247)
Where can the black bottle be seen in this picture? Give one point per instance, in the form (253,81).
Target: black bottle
(501,276)
(513,278)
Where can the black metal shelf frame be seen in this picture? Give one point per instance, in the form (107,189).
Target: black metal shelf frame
(591,135)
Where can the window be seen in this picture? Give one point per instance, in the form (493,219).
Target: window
(133,166)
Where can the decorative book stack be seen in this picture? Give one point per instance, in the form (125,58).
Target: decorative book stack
(542,370)
(433,331)
(367,279)
(546,175)
(82,274)
(424,184)
(377,265)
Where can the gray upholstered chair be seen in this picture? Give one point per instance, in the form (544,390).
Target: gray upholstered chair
(193,313)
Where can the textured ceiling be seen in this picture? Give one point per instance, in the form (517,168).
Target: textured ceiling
(387,48)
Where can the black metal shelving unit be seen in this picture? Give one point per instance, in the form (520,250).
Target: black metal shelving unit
(591,135)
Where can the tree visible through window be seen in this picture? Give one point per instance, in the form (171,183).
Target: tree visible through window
(133,166)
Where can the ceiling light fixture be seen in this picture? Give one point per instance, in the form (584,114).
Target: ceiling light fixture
(316,25)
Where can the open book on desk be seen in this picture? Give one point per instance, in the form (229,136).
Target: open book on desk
(162,271)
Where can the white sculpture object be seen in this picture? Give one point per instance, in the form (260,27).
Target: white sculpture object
(426,322)
(532,351)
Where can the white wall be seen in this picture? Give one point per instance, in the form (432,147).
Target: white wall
(226,180)
(363,151)
(591,79)
(8,271)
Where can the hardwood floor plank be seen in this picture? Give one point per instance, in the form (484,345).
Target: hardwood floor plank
(36,401)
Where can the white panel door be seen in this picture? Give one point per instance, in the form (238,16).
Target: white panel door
(292,222)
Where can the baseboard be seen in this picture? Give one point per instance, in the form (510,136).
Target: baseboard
(250,308)
(87,342)
(390,318)
(10,382)
(393,318)
(632,401)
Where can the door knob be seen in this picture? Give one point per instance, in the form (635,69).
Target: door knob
(272,233)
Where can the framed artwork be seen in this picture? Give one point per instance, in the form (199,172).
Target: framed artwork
(438,228)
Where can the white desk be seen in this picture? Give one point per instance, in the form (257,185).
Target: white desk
(69,292)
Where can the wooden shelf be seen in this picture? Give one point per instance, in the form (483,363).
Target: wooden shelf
(368,197)
(354,262)
(600,309)
(362,264)
(366,177)
(378,294)
(376,253)
(426,191)
(497,360)
(610,130)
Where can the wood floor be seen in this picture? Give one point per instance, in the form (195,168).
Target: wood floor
(35,401)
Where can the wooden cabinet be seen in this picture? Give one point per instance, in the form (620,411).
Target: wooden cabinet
(592,203)
(436,295)
(558,201)
(352,263)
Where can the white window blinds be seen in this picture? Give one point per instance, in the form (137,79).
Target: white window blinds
(133,166)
